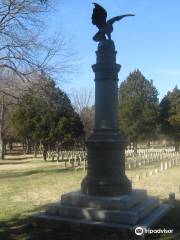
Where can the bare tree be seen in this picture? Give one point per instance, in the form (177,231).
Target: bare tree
(82,100)
(21,46)
(87,118)
(25,51)
(11,89)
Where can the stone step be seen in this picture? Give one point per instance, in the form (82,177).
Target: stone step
(90,214)
(109,203)
(56,222)
(131,216)
(155,216)
(145,208)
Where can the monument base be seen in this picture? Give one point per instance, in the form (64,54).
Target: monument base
(106,169)
(123,212)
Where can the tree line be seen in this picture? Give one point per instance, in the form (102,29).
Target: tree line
(142,116)
(27,50)
(44,115)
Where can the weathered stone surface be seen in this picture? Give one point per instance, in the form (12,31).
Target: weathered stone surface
(155,216)
(106,161)
(117,203)
(57,221)
(127,216)
(146,207)
(90,214)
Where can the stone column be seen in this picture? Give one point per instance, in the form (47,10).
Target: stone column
(106,146)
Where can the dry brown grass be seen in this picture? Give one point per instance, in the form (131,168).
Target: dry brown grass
(160,184)
(28,185)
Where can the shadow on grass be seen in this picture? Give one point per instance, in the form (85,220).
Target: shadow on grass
(14,163)
(32,172)
(20,157)
(19,227)
(15,152)
(22,228)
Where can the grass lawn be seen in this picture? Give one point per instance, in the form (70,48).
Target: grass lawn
(27,185)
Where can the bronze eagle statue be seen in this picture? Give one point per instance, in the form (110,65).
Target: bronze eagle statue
(99,17)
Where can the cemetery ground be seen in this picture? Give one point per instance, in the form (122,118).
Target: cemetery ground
(27,185)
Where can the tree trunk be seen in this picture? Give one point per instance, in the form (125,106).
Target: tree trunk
(176,146)
(40,147)
(1,149)
(135,147)
(148,144)
(28,147)
(2,130)
(58,151)
(35,149)
(45,149)
(5,148)
(24,148)
(10,146)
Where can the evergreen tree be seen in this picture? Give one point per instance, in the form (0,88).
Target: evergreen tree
(138,108)
(45,114)
(170,116)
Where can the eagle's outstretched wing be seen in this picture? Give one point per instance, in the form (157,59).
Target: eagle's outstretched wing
(99,16)
(114,19)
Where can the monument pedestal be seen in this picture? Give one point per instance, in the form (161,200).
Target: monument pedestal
(106,170)
(125,212)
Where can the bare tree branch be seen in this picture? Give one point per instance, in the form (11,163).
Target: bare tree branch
(21,46)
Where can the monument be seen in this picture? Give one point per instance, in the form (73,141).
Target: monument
(106,197)
(106,167)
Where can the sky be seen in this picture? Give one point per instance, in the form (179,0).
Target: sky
(150,41)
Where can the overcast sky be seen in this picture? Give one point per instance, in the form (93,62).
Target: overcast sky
(150,41)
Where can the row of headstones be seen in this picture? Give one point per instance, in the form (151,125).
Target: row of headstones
(75,159)
(150,159)
(131,149)
(149,151)
(144,154)
(66,154)
(141,156)
(163,167)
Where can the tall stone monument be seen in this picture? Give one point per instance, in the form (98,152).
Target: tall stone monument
(106,196)
(106,163)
